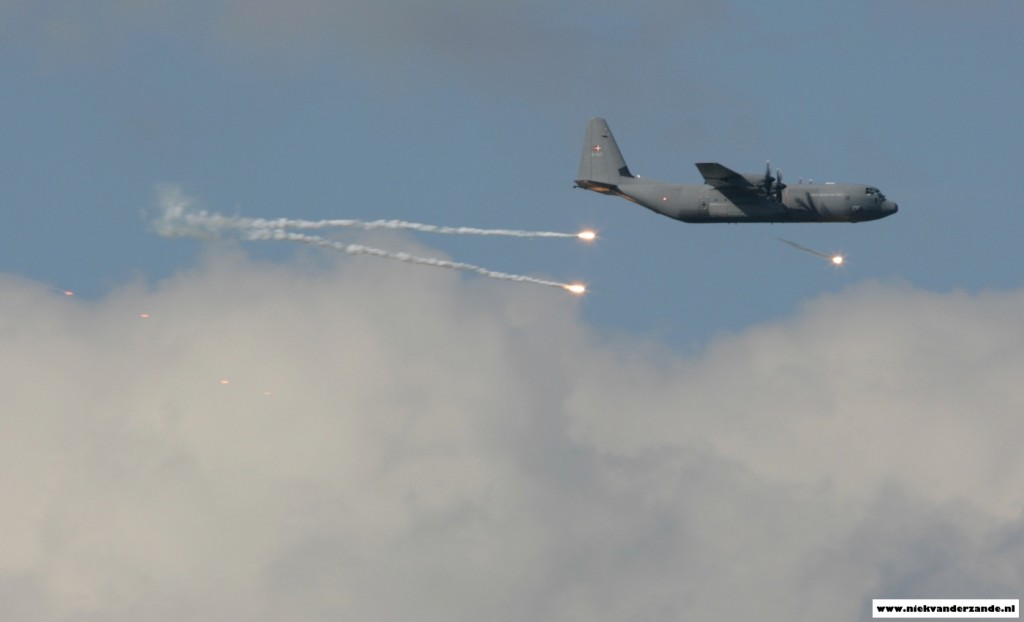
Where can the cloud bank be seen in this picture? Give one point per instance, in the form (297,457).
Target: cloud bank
(366,440)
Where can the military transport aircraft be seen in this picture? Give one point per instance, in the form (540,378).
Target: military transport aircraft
(725,195)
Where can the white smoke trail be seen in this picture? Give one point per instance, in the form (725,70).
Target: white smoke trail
(836,259)
(359,249)
(178,219)
(287,223)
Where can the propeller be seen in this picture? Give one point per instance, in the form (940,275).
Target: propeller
(779,186)
(768,179)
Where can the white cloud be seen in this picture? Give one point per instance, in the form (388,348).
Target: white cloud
(883,383)
(396,442)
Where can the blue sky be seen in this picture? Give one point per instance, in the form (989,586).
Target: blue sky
(322,436)
(451,117)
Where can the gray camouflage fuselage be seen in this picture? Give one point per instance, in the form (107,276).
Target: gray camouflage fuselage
(727,196)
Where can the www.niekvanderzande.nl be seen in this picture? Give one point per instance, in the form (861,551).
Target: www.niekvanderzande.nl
(945,608)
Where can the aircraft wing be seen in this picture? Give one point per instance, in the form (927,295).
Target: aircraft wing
(722,178)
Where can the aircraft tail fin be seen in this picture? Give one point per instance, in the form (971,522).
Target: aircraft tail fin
(602,167)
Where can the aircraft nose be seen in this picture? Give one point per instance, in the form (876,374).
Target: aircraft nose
(890,207)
